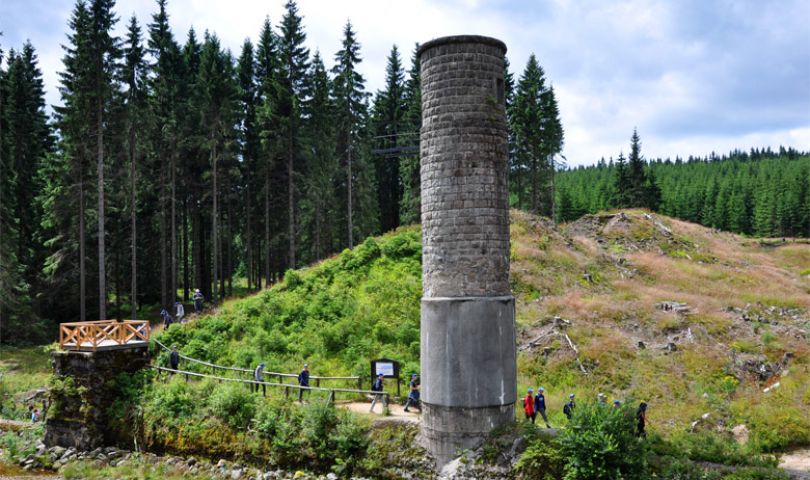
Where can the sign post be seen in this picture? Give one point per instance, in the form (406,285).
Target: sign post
(387,367)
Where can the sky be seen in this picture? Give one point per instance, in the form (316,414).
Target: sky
(693,76)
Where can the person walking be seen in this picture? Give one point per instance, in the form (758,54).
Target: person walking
(167,318)
(641,416)
(179,311)
(377,386)
(174,359)
(198,300)
(528,405)
(413,395)
(303,381)
(617,403)
(258,376)
(540,405)
(601,399)
(568,408)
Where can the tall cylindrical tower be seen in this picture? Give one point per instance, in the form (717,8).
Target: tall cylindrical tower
(468,354)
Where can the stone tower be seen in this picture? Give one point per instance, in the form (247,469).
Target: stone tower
(468,356)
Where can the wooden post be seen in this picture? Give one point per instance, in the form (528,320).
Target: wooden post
(359,383)
(286,392)
(317,382)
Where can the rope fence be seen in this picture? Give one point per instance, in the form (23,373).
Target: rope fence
(286,386)
(246,371)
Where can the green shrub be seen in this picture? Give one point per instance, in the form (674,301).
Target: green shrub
(757,474)
(709,446)
(234,404)
(541,460)
(403,246)
(687,470)
(600,443)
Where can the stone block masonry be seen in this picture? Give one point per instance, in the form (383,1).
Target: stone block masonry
(83,392)
(468,357)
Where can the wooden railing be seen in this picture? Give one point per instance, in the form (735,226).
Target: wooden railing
(102,333)
(386,397)
(249,373)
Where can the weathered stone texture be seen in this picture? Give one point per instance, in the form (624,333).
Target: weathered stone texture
(464,172)
(468,323)
(78,415)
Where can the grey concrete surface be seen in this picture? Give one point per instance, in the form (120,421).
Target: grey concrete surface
(468,350)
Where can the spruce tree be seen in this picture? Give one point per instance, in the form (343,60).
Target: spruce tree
(410,204)
(134,76)
(269,92)
(389,112)
(27,142)
(164,103)
(215,97)
(323,169)
(292,78)
(249,142)
(350,114)
(66,228)
(104,54)
(538,135)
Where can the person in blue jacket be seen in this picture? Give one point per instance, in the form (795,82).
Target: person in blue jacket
(174,358)
(303,381)
(413,396)
(540,405)
(377,386)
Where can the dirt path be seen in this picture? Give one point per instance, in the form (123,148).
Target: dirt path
(796,463)
(397,412)
(11,472)
(13,425)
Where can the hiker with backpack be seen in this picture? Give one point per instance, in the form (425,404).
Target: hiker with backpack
(568,408)
(413,396)
(377,386)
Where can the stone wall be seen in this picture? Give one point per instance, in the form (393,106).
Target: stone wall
(464,171)
(83,390)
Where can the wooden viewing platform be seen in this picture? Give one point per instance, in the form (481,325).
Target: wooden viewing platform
(104,335)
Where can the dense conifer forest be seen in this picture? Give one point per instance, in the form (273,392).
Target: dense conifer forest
(171,163)
(762,193)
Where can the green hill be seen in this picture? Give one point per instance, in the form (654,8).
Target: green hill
(739,325)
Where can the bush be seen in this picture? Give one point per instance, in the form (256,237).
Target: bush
(234,404)
(757,474)
(709,446)
(686,470)
(600,443)
(542,460)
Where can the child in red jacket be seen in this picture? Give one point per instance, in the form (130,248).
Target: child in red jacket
(528,406)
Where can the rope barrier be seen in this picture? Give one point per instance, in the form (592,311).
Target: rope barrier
(316,378)
(287,386)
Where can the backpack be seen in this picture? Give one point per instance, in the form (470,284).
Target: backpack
(567,409)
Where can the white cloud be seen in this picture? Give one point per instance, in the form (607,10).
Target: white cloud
(693,76)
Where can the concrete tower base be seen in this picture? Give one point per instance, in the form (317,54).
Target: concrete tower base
(469,371)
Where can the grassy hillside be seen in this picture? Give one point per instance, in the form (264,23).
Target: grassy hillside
(598,281)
